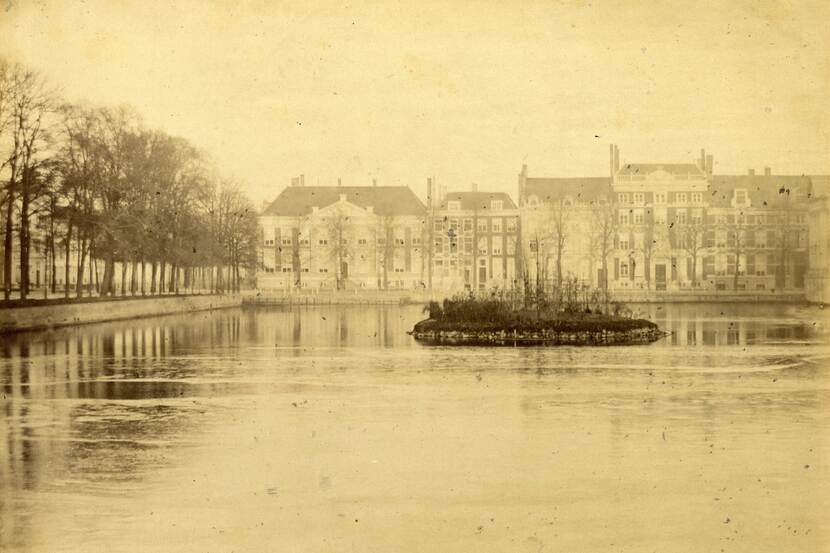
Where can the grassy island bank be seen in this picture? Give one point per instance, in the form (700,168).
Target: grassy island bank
(499,320)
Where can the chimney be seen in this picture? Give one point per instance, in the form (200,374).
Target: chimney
(430,203)
(475,187)
(611,155)
(374,182)
(339,182)
(751,172)
(522,184)
(710,164)
(767,171)
(302,180)
(702,161)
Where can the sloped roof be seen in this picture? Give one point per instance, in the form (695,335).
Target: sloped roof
(478,200)
(579,188)
(385,200)
(763,190)
(673,168)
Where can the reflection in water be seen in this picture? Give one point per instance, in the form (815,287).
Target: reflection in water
(191,427)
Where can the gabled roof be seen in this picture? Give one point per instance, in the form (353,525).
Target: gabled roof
(763,190)
(478,200)
(672,168)
(584,189)
(385,200)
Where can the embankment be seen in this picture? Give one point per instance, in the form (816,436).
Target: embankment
(33,317)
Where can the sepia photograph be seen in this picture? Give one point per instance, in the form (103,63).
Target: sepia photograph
(382,276)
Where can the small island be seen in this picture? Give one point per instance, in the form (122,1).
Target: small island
(546,319)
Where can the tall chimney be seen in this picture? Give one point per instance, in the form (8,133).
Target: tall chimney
(616,158)
(751,172)
(430,203)
(475,187)
(702,161)
(767,171)
(522,183)
(710,164)
(611,155)
(302,180)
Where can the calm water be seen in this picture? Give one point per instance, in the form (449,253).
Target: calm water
(329,429)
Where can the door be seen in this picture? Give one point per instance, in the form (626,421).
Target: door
(660,276)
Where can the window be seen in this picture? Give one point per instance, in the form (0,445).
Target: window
(286,269)
(623,243)
(680,198)
(468,244)
(511,224)
(622,197)
(454,224)
(740,197)
(454,205)
(399,242)
(697,198)
(438,225)
(623,217)
(304,242)
(323,242)
(496,225)
(659,197)
(468,225)
(638,217)
(322,270)
(533,246)
(697,216)
(361,242)
(287,241)
(660,216)
(496,204)
(482,225)
(482,246)
(623,269)
(269,242)
(416,241)
(680,217)
(639,198)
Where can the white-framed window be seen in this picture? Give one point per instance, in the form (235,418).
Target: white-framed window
(322,242)
(680,217)
(638,217)
(482,246)
(496,225)
(622,197)
(511,224)
(438,225)
(659,197)
(624,269)
(496,204)
(697,198)
(623,242)
(680,198)
(482,224)
(453,205)
(468,225)
(741,197)
(639,198)
(660,216)
(623,217)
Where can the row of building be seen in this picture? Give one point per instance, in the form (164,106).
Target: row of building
(645,226)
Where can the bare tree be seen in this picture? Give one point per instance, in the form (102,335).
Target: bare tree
(604,226)
(339,249)
(691,240)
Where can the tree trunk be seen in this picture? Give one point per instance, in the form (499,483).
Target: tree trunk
(161,282)
(67,253)
(79,273)
(25,242)
(143,274)
(153,272)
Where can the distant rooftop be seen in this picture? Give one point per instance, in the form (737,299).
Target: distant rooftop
(478,200)
(577,188)
(385,200)
(763,190)
(672,168)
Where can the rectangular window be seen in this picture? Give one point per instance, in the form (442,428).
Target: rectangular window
(269,242)
(399,242)
(659,197)
(468,225)
(511,224)
(740,197)
(639,198)
(624,269)
(323,242)
(482,225)
(638,217)
(680,198)
(680,217)
(468,244)
(496,205)
(454,224)
(482,246)
(361,242)
(438,225)
(286,241)
(416,241)
(697,198)
(454,205)
(622,197)
(496,225)
(623,217)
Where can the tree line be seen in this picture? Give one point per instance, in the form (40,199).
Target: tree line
(93,187)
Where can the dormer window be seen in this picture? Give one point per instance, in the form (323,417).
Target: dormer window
(496,204)
(453,205)
(741,198)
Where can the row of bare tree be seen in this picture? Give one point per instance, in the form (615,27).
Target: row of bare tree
(94,185)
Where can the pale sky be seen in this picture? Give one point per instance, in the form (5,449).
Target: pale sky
(465,91)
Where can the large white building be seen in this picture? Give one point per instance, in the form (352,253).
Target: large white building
(343,237)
